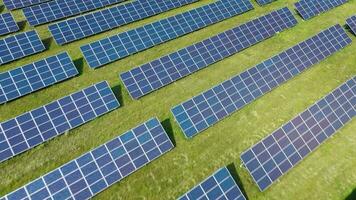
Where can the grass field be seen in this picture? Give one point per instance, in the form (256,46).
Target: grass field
(328,173)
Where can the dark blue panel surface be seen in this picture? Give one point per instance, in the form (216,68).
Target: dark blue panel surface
(264,2)
(351,22)
(15,4)
(310,8)
(7,24)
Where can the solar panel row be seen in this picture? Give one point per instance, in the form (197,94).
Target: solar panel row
(279,152)
(59,9)
(309,8)
(264,2)
(86,25)
(7,24)
(96,170)
(351,22)
(15,4)
(211,106)
(40,74)
(167,69)
(39,125)
(124,44)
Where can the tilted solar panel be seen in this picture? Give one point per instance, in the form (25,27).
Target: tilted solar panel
(7,24)
(15,4)
(93,23)
(220,185)
(310,8)
(96,170)
(39,125)
(59,9)
(351,22)
(279,152)
(19,46)
(119,46)
(211,106)
(32,77)
(167,69)
(264,2)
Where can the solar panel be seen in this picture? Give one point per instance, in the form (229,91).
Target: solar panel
(167,69)
(7,24)
(19,46)
(32,77)
(220,185)
(351,22)
(279,152)
(96,170)
(119,46)
(15,4)
(59,9)
(39,125)
(211,106)
(309,9)
(264,2)
(93,23)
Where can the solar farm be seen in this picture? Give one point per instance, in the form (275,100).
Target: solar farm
(177,99)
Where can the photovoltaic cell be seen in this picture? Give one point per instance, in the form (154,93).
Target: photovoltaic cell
(19,46)
(59,9)
(220,185)
(124,44)
(93,23)
(96,170)
(167,69)
(351,22)
(211,106)
(39,125)
(7,24)
(15,4)
(40,74)
(279,152)
(264,2)
(310,8)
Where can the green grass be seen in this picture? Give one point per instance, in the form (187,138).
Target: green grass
(328,173)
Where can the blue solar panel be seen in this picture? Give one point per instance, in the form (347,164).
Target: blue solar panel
(19,46)
(40,74)
(310,8)
(264,2)
(96,170)
(279,152)
(119,46)
(86,25)
(7,24)
(220,185)
(351,22)
(167,69)
(44,123)
(59,9)
(211,106)
(15,4)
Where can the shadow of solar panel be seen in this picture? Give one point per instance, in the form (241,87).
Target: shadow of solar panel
(44,123)
(7,24)
(213,105)
(59,9)
(96,170)
(309,9)
(32,77)
(220,185)
(86,25)
(167,69)
(279,152)
(19,46)
(15,4)
(264,2)
(351,22)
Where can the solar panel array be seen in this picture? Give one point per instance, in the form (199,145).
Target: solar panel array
(279,152)
(211,106)
(264,2)
(93,23)
(15,4)
(167,69)
(351,22)
(309,9)
(19,46)
(124,44)
(98,169)
(7,24)
(59,9)
(39,125)
(220,185)
(40,74)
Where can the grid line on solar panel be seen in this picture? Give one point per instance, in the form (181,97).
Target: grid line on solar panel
(264,2)
(7,24)
(86,25)
(351,22)
(309,9)
(219,185)
(19,46)
(96,170)
(204,110)
(46,122)
(15,4)
(59,9)
(277,153)
(167,69)
(124,44)
(35,76)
